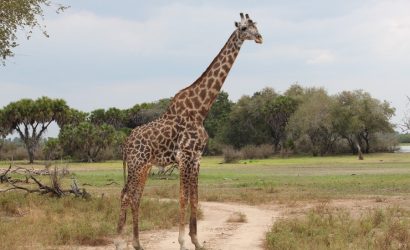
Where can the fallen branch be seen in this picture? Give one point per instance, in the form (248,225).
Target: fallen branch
(54,189)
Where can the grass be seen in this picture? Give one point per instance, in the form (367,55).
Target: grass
(330,228)
(71,221)
(34,221)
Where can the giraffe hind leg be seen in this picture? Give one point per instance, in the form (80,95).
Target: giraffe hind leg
(193,200)
(138,189)
(120,243)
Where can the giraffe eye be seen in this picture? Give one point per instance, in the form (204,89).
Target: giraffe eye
(243,28)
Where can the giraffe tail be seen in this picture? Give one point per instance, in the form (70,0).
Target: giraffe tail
(124,169)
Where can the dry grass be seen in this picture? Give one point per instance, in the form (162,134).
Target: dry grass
(34,221)
(331,228)
(237,217)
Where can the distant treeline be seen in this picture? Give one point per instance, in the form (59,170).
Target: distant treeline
(299,121)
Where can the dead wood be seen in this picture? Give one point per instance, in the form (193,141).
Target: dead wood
(54,189)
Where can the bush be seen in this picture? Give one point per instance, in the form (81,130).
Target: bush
(257,152)
(384,142)
(231,155)
(213,147)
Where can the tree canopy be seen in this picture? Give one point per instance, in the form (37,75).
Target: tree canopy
(31,118)
(20,15)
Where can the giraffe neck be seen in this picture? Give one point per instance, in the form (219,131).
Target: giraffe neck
(196,100)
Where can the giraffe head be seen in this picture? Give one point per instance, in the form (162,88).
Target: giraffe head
(247,29)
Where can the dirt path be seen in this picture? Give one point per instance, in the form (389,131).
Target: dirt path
(215,232)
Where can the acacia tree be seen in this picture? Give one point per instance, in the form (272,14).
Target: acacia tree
(20,15)
(31,118)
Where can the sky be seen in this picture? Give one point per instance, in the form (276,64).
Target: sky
(104,53)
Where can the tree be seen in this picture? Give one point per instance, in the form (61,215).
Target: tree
(277,112)
(85,141)
(218,115)
(358,117)
(52,149)
(246,124)
(20,15)
(312,120)
(3,129)
(113,116)
(31,118)
(143,113)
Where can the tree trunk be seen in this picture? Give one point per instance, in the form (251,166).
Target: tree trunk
(30,151)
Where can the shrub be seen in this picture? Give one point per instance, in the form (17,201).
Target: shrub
(384,142)
(257,152)
(231,155)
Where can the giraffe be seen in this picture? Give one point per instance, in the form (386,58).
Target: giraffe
(178,137)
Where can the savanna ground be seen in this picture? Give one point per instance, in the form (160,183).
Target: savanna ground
(335,202)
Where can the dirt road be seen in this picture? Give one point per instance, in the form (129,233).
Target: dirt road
(215,232)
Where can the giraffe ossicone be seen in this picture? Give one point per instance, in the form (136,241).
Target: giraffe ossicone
(178,136)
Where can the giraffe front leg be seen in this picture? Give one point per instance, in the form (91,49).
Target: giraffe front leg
(193,200)
(183,200)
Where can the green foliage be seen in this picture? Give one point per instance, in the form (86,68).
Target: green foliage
(246,124)
(113,116)
(404,138)
(19,15)
(86,141)
(277,112)
(357,117)
(312,122)
(218,115)
(145,112)
(52,149)
(31,118)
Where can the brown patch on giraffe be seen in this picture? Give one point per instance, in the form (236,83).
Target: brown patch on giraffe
(230,59)
(216,65)
(202,94)
(210,82)
(216,72)
(188,103)
(225,68)
(196,102)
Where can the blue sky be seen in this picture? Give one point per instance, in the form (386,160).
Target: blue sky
(105,53)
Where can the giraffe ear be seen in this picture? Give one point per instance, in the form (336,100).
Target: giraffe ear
(236,24)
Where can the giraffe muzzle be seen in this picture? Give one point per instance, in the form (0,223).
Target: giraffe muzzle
(259,39)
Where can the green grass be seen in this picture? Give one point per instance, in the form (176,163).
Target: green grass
(275,179)
(331,228)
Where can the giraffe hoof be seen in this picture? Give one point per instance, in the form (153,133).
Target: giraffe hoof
(120,245)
